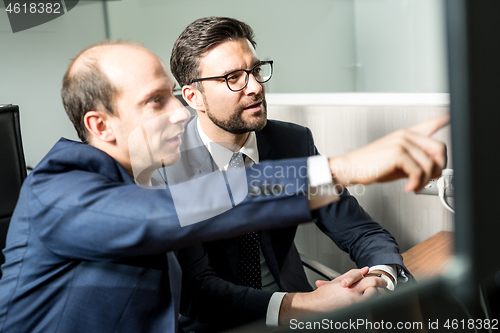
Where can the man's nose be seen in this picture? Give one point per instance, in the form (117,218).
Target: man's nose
(180,114)
(253,87)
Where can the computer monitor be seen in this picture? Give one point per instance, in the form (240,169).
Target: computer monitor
(474,73)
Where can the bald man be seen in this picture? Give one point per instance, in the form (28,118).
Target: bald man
(89,250)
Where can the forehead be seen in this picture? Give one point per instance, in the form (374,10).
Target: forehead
(136,71)
(228,56)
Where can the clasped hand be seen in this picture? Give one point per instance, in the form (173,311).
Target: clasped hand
(349,288)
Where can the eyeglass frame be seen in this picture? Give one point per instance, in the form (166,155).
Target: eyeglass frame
(249,71)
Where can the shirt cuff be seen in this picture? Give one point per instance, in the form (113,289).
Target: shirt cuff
(321,189)
(273,309)
(391,269)
(318,170)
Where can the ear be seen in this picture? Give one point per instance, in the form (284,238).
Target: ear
(97,123)
(193,97)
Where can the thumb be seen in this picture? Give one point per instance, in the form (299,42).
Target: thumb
(320,283)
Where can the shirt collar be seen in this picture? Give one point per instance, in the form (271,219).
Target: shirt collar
(222,155)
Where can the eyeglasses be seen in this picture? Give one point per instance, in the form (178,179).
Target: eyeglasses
(238,80)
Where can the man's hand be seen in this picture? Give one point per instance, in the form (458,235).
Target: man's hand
(345,290)
(408,153)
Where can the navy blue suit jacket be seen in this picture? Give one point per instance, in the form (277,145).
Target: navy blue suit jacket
(90,251)
(210,294)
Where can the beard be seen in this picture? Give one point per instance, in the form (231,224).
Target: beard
(235,124)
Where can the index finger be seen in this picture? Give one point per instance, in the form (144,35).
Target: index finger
(430,126)
(352,276)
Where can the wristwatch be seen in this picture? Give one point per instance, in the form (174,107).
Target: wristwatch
(390,284)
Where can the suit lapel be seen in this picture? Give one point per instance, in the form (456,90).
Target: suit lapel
(263,145)
(175,277)
(231,247)
(266,152)
(195,159)
(268,251)
(197,155)
(199,160)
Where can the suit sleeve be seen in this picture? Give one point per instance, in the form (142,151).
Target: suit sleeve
(79,214)
(354,231)
(208,298)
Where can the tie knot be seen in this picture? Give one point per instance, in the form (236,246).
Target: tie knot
(237,160)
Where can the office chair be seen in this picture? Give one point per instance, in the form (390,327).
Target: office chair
(12,168)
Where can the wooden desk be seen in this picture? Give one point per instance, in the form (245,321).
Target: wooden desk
(427,259)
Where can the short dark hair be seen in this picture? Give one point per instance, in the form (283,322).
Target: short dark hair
(200,37)
(87,88)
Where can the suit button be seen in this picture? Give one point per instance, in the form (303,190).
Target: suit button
(277,189)
(254,191)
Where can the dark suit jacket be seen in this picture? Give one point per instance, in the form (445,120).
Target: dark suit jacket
(210,272)
(88,250)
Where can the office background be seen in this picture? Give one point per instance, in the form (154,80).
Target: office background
(319,46)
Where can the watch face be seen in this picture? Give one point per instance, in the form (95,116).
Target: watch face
(374,274)
(390,285)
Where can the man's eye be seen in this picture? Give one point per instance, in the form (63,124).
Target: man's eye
(157,100)
(233,77)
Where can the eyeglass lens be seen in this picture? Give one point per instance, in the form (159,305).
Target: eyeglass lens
(238,79)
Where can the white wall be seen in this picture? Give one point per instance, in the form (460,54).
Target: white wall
(311,42)
(400,45)
(32,65)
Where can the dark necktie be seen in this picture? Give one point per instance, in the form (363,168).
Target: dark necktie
(249,273)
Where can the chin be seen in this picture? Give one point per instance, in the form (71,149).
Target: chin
(260,124)
(172,158)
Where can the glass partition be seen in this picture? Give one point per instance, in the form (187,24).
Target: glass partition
(317,45)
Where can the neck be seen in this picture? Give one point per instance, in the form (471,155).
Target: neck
(222,137)
(123,157)
(144,178)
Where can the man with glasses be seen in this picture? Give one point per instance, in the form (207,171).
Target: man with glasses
(233,281)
